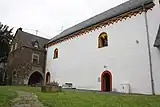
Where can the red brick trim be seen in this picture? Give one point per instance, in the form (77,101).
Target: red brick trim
(104,24)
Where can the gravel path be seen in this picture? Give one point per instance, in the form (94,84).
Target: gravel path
(26,99)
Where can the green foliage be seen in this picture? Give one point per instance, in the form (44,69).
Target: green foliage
(90,99)
(54,83)
(6,38)
(6,94)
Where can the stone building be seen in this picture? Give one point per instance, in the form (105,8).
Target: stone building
(26,60)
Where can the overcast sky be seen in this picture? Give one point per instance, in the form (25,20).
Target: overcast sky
(48,16)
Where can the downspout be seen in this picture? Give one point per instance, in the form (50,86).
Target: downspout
(45,66)
(149,51)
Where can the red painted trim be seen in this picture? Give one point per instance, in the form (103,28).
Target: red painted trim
(107,22)
(102,80)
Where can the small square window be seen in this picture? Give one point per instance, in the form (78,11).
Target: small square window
(35,59)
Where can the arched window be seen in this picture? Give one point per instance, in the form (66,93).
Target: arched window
(48,76)
(15,46)
(55,53)
(14,73)
(103,40)
(36,44)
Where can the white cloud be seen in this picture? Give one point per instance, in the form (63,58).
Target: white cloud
(48,16)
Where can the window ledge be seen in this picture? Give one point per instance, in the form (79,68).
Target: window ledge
(103,47)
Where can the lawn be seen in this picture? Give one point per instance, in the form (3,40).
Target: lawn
(6,94)
(85,99)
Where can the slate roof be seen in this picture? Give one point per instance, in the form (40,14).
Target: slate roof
(157,41)
(120,9)
(27,39)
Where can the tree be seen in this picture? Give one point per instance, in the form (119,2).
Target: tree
(6,38)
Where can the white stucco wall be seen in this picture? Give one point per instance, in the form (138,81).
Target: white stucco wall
(81,62)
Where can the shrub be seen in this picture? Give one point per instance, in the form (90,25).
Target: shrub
(51,87)
(54,83)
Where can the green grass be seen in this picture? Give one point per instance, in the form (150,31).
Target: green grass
(88,99)
(6,94)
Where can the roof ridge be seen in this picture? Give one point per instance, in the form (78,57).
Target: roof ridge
(112,12)
(30,34)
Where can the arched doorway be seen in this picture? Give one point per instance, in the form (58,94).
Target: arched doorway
(106,81)
(35,78)
(48,76)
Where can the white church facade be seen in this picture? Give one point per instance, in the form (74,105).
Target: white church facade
(117,50)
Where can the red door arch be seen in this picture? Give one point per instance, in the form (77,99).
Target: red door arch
(106,81)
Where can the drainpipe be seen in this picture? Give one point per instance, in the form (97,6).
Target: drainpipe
(45,66)
(149,51)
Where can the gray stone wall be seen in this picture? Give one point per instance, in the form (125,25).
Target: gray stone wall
(20,64)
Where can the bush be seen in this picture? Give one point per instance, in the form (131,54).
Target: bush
(51,87)
(54,83)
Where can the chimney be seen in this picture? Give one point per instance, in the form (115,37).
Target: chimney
(20,29)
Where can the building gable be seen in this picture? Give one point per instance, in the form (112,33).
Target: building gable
(105,18)
(29,40)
